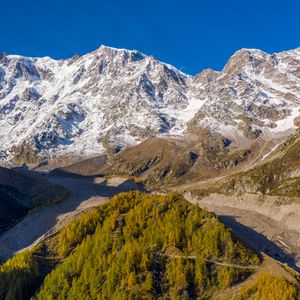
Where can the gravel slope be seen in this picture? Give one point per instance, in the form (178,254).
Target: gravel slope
(86,192)
(260,223)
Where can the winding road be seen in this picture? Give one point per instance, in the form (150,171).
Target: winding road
(211,261)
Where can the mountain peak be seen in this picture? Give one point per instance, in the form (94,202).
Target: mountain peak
(132,54)
(119,97)
(243,57)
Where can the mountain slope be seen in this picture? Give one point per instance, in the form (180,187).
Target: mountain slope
(72,104)
(264,197)
(129,248)
(168,160)
(111,98)
(254,92)
(277,175)
(21,192)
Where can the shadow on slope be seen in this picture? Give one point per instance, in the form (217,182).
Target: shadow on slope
(21,192)
(85,192)
(86,167)
(257,241)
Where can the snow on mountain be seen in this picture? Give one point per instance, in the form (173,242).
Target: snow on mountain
(255,92)
(78,105)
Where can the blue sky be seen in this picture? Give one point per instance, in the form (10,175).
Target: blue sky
(192,35)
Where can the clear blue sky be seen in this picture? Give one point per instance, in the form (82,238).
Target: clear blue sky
(192,35)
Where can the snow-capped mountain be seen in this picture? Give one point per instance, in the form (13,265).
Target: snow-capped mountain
(255,92)
(77,105)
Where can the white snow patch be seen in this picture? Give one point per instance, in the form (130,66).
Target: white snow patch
(271,151)
(287,123)
(228,131)
(183,116)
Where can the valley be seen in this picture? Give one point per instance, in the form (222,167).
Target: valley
(48,252)
(178,186)
(85,193)
(260,230)
(260,227)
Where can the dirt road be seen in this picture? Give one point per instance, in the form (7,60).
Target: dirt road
(85,192)
(211,261)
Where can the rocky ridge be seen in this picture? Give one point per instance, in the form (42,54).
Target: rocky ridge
(111,98)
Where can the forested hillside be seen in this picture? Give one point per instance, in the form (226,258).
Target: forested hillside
(266,287)
(137,246)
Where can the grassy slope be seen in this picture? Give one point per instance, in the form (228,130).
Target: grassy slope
(86,167)
(276,176)
(165,161)
(155,160)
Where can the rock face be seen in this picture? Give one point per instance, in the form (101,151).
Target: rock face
(84,104)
